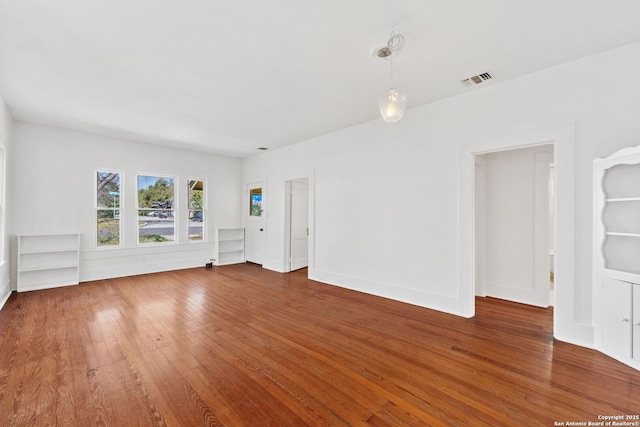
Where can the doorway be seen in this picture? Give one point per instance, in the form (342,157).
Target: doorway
(297,219)
(514,207)
(255,234)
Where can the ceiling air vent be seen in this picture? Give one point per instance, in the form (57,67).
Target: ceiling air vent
(474,80)
(263,148)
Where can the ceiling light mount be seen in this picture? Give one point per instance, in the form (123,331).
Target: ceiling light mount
(393,47)
(384,52)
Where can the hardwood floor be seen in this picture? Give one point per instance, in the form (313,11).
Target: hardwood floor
(242,346)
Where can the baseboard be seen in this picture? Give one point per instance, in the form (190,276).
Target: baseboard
(273,266)
(5,293)
(138,269)
(581,335)
(584,335)
(410,296)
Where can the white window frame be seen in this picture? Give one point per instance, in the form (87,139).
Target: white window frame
(175,208)
(3,178)
(204,209)
(98,208)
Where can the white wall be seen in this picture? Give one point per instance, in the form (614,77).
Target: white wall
(54,193)
(386,202)
(6,123)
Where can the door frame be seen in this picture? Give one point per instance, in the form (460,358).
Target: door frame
(566,328)
(309,176)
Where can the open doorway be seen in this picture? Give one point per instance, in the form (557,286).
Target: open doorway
(514,222)
(563,138)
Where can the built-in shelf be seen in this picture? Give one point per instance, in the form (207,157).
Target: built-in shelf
(47,261)
(616,256)
(229,246)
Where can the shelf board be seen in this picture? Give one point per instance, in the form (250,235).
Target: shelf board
(48,267)
(623,199)
(48,251)
(47,285)
(624,275)
(614,233)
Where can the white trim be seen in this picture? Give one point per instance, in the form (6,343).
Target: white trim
(563,138)
(286,266)
(398,293)
(5,298)
(5,289)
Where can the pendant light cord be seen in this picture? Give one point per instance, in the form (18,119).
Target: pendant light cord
(395,44)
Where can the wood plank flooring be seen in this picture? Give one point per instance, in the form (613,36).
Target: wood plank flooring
(242,346)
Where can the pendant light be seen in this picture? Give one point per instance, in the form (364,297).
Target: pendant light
(392,102)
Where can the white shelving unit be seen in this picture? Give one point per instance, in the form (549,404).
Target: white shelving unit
(229,246)
(616,256)
(48,261)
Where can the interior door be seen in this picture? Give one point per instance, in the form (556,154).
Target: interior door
(255,234)
(299,224)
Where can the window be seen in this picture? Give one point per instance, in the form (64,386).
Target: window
(255,202)
(195,190)
(3,168)
(108,208)
(156,222)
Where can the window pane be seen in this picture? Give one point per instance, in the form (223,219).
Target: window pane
(108,208)
(108,227)
(255,202)
(155,209)
(196,209)
(108,185)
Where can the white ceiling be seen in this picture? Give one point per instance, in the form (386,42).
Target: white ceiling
(228,77)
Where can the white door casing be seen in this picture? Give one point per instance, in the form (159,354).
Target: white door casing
(480,224)
(542,245)
(299,224)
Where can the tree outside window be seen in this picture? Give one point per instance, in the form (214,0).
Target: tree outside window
(255,202)
(196,209)
(108,198)
(156,221)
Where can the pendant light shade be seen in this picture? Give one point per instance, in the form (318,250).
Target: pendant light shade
(392,104)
